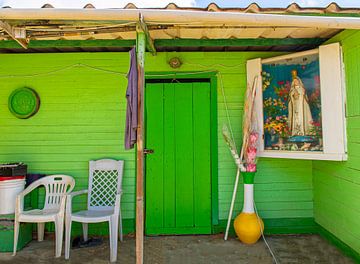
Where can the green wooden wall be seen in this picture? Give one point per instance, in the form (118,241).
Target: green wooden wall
(337,184)
(82,117)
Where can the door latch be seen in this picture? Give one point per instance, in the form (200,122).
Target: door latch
(148,151)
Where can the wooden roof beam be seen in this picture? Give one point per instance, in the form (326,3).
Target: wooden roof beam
(149,41)
(16,33)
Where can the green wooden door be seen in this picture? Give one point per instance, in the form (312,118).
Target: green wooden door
(178,173)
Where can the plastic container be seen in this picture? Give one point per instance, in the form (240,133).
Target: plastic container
(13,169)
(10,187)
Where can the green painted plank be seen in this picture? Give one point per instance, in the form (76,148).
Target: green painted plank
(169,156)
(184,155)
(168,42)
(273,226)
(348,250)
(180,231)
(304,225)
(214,151)
(202,154)
(82,43)
(238,42)
(154,162)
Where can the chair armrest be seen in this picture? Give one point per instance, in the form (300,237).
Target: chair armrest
(72,194)
(29,189)
(69,199)
(19,202)
(117,202)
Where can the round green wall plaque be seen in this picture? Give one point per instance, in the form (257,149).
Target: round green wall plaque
(24,102)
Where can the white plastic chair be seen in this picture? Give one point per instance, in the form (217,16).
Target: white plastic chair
(104,194)
(56,187)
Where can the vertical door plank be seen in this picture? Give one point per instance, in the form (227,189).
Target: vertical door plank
(202,154)
(184,155)
(169,155)
(154,162)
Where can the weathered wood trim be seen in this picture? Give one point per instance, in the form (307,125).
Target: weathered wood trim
(140,52)
(16,33)
(149,41)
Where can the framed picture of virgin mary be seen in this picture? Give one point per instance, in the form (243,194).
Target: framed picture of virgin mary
(300,104)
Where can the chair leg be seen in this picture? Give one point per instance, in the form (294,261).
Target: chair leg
(59,230)
(113,228)
(67,236)
(85,231)
(120,227)
(40,231)
(16,235)
(110,238)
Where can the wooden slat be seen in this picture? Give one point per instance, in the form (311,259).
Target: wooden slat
(184,155)
(202,162)
(169,155)
(155,141)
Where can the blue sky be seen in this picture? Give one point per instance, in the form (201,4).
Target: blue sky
(162,3)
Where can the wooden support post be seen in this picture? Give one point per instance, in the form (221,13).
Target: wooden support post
(16,33)
(140,53)
(149,41)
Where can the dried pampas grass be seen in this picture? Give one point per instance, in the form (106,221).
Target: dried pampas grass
(249,122)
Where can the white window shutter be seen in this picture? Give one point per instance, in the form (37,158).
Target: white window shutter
(332,100)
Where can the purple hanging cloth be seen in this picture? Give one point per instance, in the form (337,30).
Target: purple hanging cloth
(132,102)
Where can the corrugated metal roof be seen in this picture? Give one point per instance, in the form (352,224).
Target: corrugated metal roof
(252,8)
(109,30)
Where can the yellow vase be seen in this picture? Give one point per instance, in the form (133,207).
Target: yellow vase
(248,227)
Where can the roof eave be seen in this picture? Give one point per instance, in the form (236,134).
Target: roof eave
(160,16)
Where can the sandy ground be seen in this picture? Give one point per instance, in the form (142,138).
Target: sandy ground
(192,249)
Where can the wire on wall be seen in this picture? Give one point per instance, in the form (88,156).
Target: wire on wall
(76,65)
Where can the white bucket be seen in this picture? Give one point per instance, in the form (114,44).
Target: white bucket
(9,189)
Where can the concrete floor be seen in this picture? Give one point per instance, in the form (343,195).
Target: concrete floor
(192,249)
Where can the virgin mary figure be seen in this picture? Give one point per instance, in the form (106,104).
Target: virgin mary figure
(299,118)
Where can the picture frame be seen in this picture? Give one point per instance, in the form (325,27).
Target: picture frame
(300,104)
